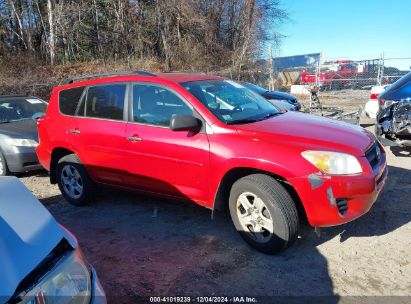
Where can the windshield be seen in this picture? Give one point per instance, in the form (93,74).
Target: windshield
(20,109)
(231,102)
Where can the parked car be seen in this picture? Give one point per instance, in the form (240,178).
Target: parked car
(173,135)
(372,107)
(394,118)
(280,99)
(18,133)
(40,260)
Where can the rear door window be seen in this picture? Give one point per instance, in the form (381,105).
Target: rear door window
(69,100)
(106,101)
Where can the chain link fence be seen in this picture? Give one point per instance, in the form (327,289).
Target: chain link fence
(338,74)
(332,77)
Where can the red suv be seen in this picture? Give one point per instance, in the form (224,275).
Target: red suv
(211,141)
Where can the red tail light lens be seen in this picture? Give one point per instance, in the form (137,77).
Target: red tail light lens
(374,96)
(381,102)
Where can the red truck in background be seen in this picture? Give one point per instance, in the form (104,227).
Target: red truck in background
(335,74)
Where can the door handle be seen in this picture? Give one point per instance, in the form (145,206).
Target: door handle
(134,138)
(75,131)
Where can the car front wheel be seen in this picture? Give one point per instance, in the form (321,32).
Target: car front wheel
(73,180)
(264,213)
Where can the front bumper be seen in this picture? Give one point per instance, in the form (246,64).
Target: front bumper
(393,142)
(322,195)
(21,159)
(97,293)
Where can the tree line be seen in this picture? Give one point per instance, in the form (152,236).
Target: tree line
(178,34)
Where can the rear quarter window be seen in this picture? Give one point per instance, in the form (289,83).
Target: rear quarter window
(69,100)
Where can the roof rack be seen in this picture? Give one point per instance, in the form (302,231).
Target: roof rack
(185,72)
(108,74)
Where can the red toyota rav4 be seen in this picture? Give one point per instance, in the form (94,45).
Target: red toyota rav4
(214,142)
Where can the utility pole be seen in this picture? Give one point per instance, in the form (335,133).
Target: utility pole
(382,67)
(380,72)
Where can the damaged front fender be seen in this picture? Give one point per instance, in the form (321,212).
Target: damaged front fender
(394,123)
(334,200)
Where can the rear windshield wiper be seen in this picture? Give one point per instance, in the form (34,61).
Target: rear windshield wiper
(21,119)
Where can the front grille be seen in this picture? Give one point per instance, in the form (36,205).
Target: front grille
(373,155)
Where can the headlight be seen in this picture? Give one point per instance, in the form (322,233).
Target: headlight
(68,282)
(21,142)
(333,162)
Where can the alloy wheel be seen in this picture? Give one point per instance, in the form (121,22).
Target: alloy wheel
(71,181)
(254,217)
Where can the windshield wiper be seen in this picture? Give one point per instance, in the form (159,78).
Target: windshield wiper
(242,121)
(271,114)
(21,119)
(250,120)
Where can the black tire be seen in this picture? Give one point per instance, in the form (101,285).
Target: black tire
(3,166)
(281,207)
(73,164)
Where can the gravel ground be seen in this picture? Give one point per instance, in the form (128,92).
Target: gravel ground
(142,246)
(350,100)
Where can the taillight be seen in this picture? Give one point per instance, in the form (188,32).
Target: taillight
(374,96)
(381,102)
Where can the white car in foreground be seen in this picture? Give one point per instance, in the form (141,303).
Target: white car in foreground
(372,107)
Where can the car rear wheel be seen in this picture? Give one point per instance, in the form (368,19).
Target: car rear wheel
(3,166)
(264,213)
(73,180)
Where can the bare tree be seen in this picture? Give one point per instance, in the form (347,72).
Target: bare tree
(178,34)
(52,41)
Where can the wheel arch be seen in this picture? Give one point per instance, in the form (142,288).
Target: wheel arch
(223,191)
(56,155)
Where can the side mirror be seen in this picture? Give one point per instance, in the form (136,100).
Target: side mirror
(185,123)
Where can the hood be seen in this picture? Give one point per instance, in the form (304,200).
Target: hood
(279,95)
(28,233)
(310,132)
(26,129)
(399,90)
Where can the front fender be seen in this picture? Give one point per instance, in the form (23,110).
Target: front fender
(235,168)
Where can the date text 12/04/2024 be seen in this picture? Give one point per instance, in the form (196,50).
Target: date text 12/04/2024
(212,299)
